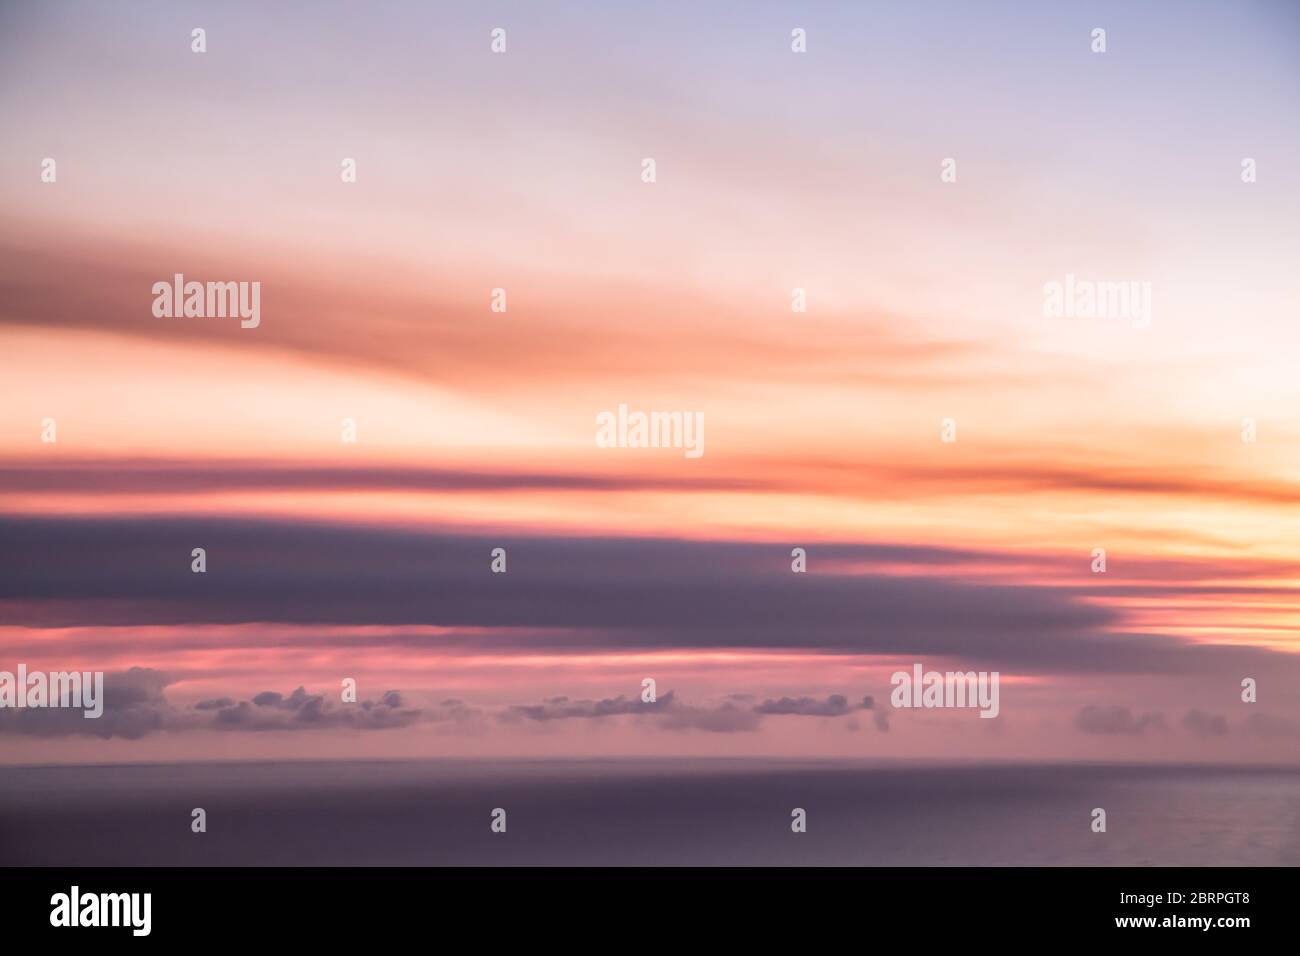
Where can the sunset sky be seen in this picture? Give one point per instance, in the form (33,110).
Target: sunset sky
(775,171)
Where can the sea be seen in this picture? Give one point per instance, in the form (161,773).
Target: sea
(637,812)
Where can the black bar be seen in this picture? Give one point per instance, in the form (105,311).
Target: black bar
(647,907)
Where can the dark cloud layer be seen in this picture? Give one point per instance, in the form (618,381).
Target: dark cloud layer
(563,593)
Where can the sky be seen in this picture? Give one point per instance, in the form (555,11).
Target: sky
(920,175)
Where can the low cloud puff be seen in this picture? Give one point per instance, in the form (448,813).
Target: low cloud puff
(1093,719)
(300,710)
(1205,725)
(563,708)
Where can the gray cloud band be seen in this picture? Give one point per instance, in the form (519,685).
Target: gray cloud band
(566,593)
(135,705)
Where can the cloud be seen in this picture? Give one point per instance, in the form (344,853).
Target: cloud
(1271,725)
(1093,719)
(836,705)
(300,710)
(879,717)
(215,704)
(434,333)
(727,717)
(585,593)
(135,705)
(732,715)
(672,714)
(162,477)
(1204,725)
(562,708)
